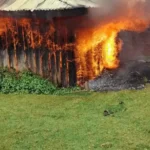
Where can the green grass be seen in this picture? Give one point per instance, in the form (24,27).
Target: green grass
(76,122)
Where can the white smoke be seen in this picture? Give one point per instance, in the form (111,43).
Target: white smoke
(110,9)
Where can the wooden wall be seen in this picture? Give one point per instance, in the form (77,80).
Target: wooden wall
(45,48)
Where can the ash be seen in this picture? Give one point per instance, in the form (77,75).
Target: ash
(131,75)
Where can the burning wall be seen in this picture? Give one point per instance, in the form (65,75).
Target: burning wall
(100,45)
(61,51)
(75,49)
(42,46)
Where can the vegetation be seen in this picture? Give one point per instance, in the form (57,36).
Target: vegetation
(28,83)
(78,121)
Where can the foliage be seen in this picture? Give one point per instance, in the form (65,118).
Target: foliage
(29,83)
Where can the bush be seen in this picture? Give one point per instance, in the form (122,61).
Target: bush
(8,81)
(30,83)
(27,82)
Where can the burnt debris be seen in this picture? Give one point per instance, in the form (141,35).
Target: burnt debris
(132,75)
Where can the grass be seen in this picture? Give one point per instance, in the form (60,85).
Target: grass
(76,122)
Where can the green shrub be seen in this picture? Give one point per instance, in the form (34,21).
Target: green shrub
(27,82)
(30,83)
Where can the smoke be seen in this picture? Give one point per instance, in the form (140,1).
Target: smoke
(110,10)
(135,12)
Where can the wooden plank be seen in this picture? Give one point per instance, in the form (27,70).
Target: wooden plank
(1,52)
(64,69)
(20,50)
(72,68)
(45,63)
(49,65)
(10,49)
(53,67)
(58,66)
(37,60)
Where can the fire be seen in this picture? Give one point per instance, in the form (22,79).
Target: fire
(104,45)
(110,52)
(96,48)
(28,34)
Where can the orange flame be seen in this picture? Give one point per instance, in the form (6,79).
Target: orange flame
(103,44)
(110,52)
(97,47)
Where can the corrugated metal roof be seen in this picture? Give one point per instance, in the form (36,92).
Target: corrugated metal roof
(18,5)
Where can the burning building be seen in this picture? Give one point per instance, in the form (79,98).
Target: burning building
(40,36)
(72,41)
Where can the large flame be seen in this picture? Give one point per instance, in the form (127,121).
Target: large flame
(96,48)
(101,42)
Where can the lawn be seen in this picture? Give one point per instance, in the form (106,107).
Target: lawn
(76,121)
